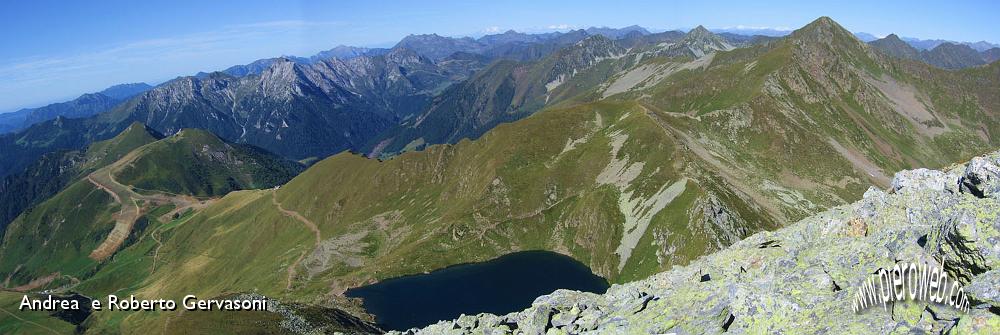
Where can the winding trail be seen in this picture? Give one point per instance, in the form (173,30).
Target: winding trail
(309,224)
(156,253)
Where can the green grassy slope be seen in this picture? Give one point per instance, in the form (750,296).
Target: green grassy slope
(58,235)
(54,171)
(14,321)
(565,180)
(703,153)
(197,162)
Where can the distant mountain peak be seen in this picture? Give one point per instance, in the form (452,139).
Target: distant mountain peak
(701,33)
(825,20)
(700,30)
(894,46)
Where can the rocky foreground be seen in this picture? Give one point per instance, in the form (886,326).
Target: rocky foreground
(802,279)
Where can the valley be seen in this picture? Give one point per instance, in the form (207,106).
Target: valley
(630,153)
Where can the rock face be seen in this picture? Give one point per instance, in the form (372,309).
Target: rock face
(802,279)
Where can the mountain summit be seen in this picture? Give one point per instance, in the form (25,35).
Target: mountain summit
(825,30)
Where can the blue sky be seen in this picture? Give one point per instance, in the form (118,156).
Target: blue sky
(55,50)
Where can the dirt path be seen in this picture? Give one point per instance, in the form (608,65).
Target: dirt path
(129,213)
(27,321)
(156,253)
(124,195)
(295,215)
(292,271)
(105,189)
(309,224)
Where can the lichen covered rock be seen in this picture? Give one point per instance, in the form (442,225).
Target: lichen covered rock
(982,176)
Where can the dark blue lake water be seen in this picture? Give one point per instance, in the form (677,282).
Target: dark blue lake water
(500,286)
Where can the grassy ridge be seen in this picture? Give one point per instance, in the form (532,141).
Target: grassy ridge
(198,163)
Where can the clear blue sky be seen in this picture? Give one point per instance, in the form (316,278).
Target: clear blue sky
(55,50)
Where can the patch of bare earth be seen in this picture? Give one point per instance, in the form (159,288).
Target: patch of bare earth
(861,162)
(906,102)
(37,282)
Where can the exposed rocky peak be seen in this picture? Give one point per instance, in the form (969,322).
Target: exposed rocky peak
(811,270)
(825,31)
(596,44)
(280,79)
(403,56)
(699,32)
(700,41)
(695,44)
(569,61)
(826,46)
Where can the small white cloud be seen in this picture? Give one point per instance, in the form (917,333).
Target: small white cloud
(560,26)
(492,30)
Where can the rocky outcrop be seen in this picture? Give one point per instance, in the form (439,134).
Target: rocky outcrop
(802,279)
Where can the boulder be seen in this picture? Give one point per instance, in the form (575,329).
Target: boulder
(982,177)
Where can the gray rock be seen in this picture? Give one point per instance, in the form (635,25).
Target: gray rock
(923,179)
(982,177)
(467,321)
(985,288)
(534,320)
(967,239)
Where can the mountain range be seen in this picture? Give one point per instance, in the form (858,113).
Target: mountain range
(86,105)
(945,55)
(631,152)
